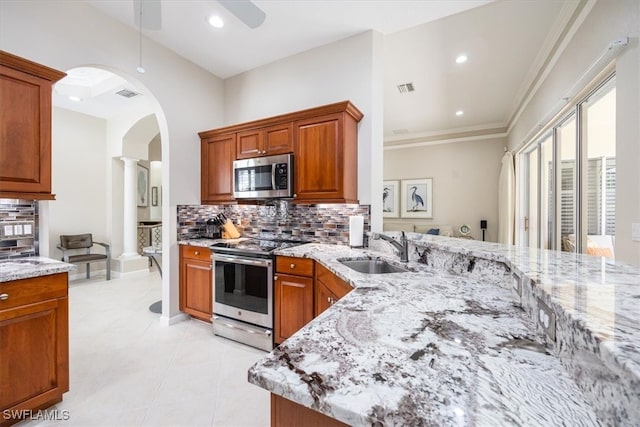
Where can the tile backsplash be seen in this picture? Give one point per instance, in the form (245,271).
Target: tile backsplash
(18,228)
(326,223)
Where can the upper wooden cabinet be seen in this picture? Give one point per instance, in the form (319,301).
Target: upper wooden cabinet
(277,139)
(25,128)
(326,156)
(324,142)
(216,176)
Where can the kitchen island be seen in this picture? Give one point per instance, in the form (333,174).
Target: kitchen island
(455,341)
(34,335)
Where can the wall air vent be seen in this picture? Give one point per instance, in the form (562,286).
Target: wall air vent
(406,87)
(127,93)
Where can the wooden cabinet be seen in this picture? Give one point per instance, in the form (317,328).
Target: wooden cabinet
(196,282)
(25,128)
(303,290)
(217,156)
(286,413)
(324,142)
(34,344)
(326,156)
(329,288)
(293,288)
(269,141)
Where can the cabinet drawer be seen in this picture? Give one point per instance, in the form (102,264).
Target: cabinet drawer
(196,252)
(293,265)
(32,290)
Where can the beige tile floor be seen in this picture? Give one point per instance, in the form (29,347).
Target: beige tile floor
(128,370)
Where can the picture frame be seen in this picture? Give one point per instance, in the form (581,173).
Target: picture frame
(391,199)
(154,196)
(142,185)
(417,198)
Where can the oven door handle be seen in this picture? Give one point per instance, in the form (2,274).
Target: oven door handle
(242,260)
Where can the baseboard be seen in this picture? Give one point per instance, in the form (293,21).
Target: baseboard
(168,321)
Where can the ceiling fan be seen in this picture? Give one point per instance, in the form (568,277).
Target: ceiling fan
(151,13)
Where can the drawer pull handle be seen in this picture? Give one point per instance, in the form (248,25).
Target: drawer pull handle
(4,297)
(292,265)
(197,253)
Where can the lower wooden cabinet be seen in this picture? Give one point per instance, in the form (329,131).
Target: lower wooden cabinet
(329,288)
(303,289)
(34,344)
(285,413)
(196,282)
(293,296)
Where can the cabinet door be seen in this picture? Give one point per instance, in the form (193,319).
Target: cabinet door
(250,144)
(25,134)
(217,156)
(39,331)
(278,139)
(324,298)
(329,288)
(293,304)
(196,290)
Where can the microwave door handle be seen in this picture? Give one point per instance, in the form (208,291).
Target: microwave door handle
(273,176)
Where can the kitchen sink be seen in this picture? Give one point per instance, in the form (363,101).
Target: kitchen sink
(372,265)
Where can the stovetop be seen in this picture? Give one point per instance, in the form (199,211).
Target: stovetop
(254,246)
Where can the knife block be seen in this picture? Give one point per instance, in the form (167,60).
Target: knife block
(229,231)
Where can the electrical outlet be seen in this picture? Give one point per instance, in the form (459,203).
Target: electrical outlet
(635,232)
(547,319)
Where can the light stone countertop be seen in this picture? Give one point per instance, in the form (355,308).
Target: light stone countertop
(24,268)
(452,343)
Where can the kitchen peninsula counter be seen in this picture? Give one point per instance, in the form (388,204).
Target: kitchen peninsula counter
(453,343)
(24,268)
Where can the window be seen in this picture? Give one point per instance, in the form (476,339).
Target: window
(569,188)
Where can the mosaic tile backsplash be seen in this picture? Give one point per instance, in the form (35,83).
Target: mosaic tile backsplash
(277,219)
(18,228)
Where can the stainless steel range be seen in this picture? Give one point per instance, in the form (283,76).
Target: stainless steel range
(243,290)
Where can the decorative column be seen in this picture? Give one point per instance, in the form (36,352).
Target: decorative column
(130,219)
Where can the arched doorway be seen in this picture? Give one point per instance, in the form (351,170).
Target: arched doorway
(101,116)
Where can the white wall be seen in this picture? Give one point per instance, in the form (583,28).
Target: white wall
(78,178)
(68,34)
(348,69)
(465,178)
(607,20)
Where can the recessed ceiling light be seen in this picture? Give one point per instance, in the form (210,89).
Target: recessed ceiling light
(461,58)
(459,113)
(215,21)
(75,98)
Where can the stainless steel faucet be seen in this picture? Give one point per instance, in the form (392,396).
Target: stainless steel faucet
(402,247)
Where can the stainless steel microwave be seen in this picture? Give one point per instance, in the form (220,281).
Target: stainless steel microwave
(263,177)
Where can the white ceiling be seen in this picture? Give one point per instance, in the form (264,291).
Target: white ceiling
(506,41)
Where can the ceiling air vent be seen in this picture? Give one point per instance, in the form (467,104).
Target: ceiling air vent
(406,87)
(127,93)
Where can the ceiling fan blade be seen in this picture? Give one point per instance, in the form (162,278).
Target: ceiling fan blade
(245,11)
(151,14)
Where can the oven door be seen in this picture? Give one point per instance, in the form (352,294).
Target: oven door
(243,288)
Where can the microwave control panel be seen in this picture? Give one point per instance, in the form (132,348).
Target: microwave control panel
(281,178)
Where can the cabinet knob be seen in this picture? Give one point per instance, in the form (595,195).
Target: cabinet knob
(4,297)
(292,266)
(264,152)
(197,253)
(295,195)
(275,277)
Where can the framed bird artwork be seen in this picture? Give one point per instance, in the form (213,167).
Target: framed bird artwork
(417,198)
(391,199)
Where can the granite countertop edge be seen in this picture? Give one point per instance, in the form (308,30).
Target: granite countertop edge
(30,267)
